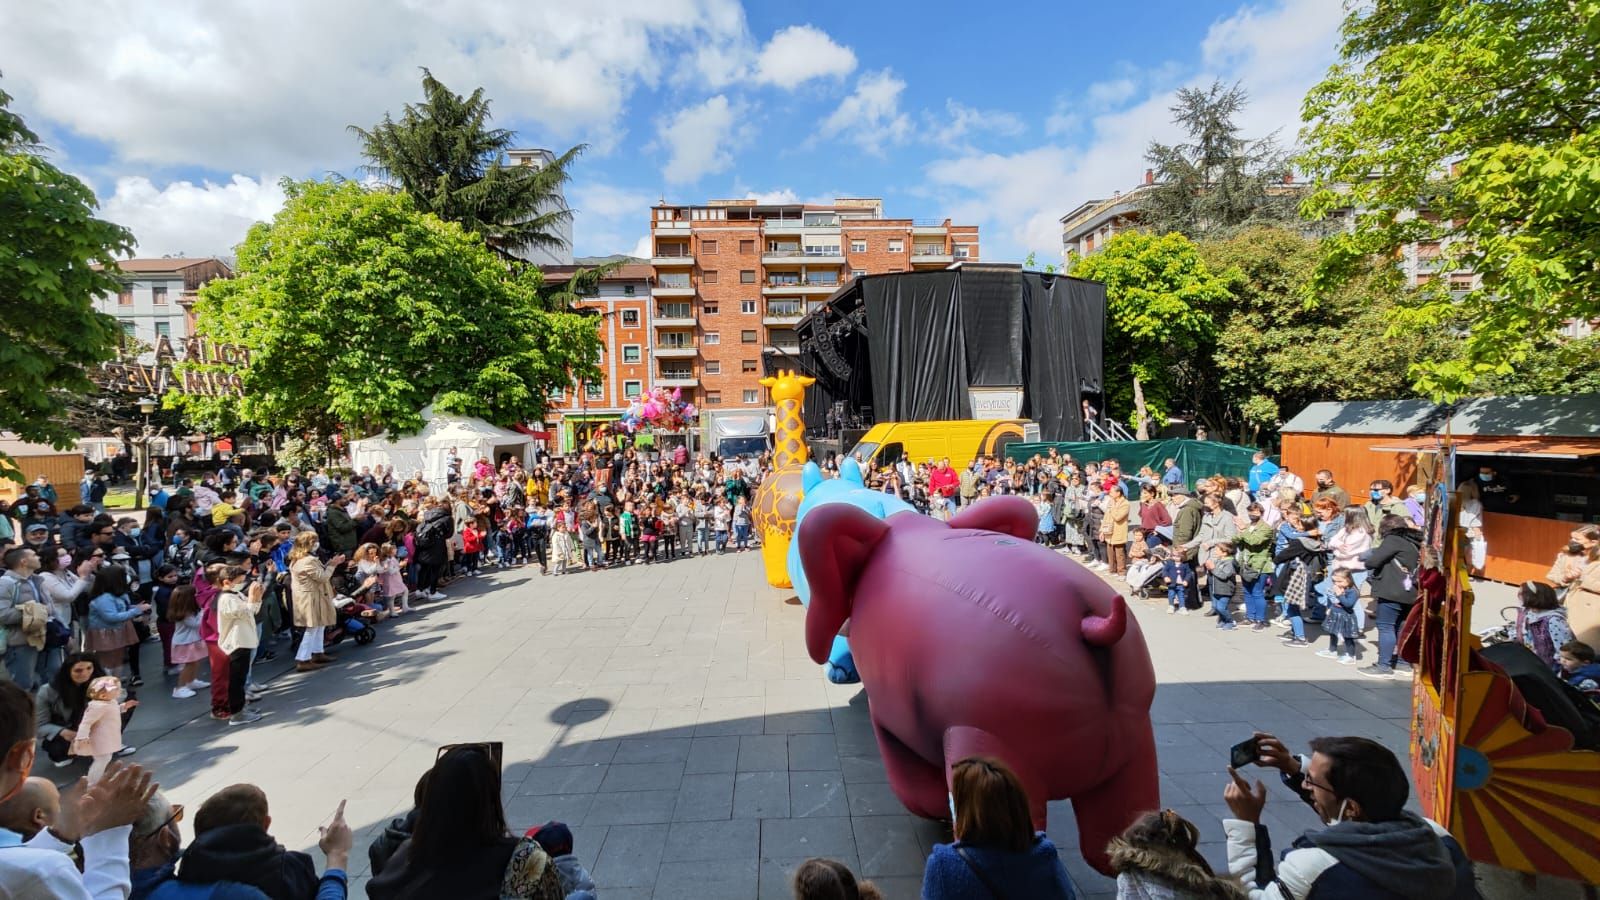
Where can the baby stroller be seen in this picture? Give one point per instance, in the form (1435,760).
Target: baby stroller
(358,612)
(1144,577)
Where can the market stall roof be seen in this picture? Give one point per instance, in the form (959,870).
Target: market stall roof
(1572,416)
(1539,447)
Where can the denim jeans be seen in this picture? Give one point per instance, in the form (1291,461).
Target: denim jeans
(741,536)
(1255,600)
(1297,621)
(1390,615)
(1219,603)
(28,667)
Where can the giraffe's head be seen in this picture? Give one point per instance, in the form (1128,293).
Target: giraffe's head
(789,385)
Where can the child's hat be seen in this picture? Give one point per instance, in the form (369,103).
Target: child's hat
(554,837)
(105,683)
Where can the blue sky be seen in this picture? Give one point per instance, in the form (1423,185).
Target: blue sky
(183,116)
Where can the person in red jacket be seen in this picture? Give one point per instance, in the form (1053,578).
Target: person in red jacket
(943,482)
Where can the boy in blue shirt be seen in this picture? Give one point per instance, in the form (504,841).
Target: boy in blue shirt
(1176,575)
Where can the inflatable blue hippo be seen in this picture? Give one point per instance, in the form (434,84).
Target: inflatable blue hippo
(850,487)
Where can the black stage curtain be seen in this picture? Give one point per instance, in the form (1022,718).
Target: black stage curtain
(992,316)
(1062,353)
(919,370)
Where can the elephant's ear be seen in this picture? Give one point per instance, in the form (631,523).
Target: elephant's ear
(836,543)
(1007,515)
(850,471)
(810,476)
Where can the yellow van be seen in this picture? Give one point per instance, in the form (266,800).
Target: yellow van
(924,442)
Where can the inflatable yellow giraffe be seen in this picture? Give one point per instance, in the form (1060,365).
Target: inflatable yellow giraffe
(778,498)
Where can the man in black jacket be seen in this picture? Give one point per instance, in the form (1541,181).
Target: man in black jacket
(232,844)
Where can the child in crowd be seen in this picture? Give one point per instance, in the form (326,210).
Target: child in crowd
(1144,564)
(556,839)
(369,568)
(165,580)
(628,527)
(1340,623)
(720,518)
(1176,575)
(100,732)
(187,647)
(649,533)
(1158,856)
(505,536)
(1579,668)
(611,535)
(1222,577)
(741,524)
(472,545)
(826,879)
(391,584)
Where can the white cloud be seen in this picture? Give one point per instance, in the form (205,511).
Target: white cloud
(641,247)
(800,53)
(272,87)
(960,120)
(1106,94)
(699,139)
(870,117)
(206,219)
(773,198)
(1276,52)
(609,219)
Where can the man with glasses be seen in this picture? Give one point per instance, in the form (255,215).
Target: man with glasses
(1372,847)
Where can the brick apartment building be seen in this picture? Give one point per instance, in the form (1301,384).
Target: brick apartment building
(621,308)
(732,277)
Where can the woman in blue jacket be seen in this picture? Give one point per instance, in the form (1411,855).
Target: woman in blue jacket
(111,616)
(996,852)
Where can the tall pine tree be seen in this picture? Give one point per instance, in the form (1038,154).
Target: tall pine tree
(444,153)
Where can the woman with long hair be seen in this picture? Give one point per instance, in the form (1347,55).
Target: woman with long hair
(1157,857)
(59,706)
(461,843)
(312,589)
(996,851)
(111,615)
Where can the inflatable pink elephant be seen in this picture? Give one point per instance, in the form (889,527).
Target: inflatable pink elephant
(973,640)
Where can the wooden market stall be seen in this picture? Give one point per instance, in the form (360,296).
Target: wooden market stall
(62,468)
(1545,450)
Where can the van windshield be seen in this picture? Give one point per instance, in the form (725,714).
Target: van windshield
(863,451)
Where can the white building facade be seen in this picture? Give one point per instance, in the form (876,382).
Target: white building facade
(158,295)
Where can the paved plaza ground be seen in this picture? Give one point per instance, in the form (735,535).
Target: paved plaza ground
(670,715)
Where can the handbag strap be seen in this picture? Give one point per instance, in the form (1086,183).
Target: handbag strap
(984,879)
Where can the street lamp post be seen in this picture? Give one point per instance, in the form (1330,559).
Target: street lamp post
(141,453)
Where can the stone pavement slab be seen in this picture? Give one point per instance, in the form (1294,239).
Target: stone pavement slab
(670,715)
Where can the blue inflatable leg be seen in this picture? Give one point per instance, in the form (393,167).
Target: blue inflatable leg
(841,665)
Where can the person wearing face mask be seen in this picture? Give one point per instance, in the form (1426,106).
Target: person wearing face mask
(1327,488)
(1255,544)
(1382,502)
(1372,846)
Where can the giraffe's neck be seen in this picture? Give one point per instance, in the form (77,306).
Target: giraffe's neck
(790,440)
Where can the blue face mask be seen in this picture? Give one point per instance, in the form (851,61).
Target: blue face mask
(1376,495)
(1483,477)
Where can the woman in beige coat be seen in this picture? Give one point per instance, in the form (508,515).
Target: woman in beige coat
(311,590)
(1583,601)
(1115,530)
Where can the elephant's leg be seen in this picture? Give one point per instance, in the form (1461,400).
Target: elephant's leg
(918,783)
(962,741)
(1107,809)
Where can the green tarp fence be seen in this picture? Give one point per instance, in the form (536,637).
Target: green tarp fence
(1197,459)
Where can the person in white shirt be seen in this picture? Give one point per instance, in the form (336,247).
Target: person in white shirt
(97,818)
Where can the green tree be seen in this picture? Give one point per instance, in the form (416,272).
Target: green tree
(1274,353)
(1217,181)
(55,258)
(1553,365)
(444,153)
(1159,300)
(359,310)
(1032,266)
(1484,116)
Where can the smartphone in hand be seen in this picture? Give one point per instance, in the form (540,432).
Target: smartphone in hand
(1245,753)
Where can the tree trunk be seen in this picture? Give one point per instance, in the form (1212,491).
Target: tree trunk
(1141,416)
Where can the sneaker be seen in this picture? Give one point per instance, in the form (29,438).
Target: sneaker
(253,688)
(126,750)
(220,717)
(1347,660)
(1259,626)
(1402,667)
(1329,654)
(253,698)
(197,684)
(1172,610)
(1224,625)
(1376,671)
(1184,611)
(63,763)
(1296,642)
(181,693)
(1210,611)
(136,682)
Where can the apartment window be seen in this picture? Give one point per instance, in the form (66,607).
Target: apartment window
(632,389)
(676,340)
(747,365)
(627,290)
(594,390)
(708,246)
(747,246)
(752,397)
(858,246)
(857,273)
(963,251)
(673,280)
(713,367)
(127,328)
(897,245)
(158,295)
(709,276)
(709,308)
(125,297)
(747,336)
(747,276)
(164,329)
(558,395)
(630,354)
(713,398)
(713,337)
(747,306)
(674,311)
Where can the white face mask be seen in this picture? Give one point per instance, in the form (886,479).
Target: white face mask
(1339,816)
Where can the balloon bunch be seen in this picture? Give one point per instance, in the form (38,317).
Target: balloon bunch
(661,408)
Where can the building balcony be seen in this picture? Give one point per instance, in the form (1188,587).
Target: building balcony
(932,259)
(786,349)
(680,260)
(783,316)
(928,226)
(675,226)
(670,290)
(673,321)
(801,258)
(782,226)
(801,288)
(675,351)
(677,380)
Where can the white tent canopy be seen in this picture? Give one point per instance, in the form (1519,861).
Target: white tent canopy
(428,449)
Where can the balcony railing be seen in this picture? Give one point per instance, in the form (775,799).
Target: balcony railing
(929,251)
(805,282)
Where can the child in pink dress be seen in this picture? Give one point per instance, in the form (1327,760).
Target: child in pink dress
(100,731)
(393,585)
